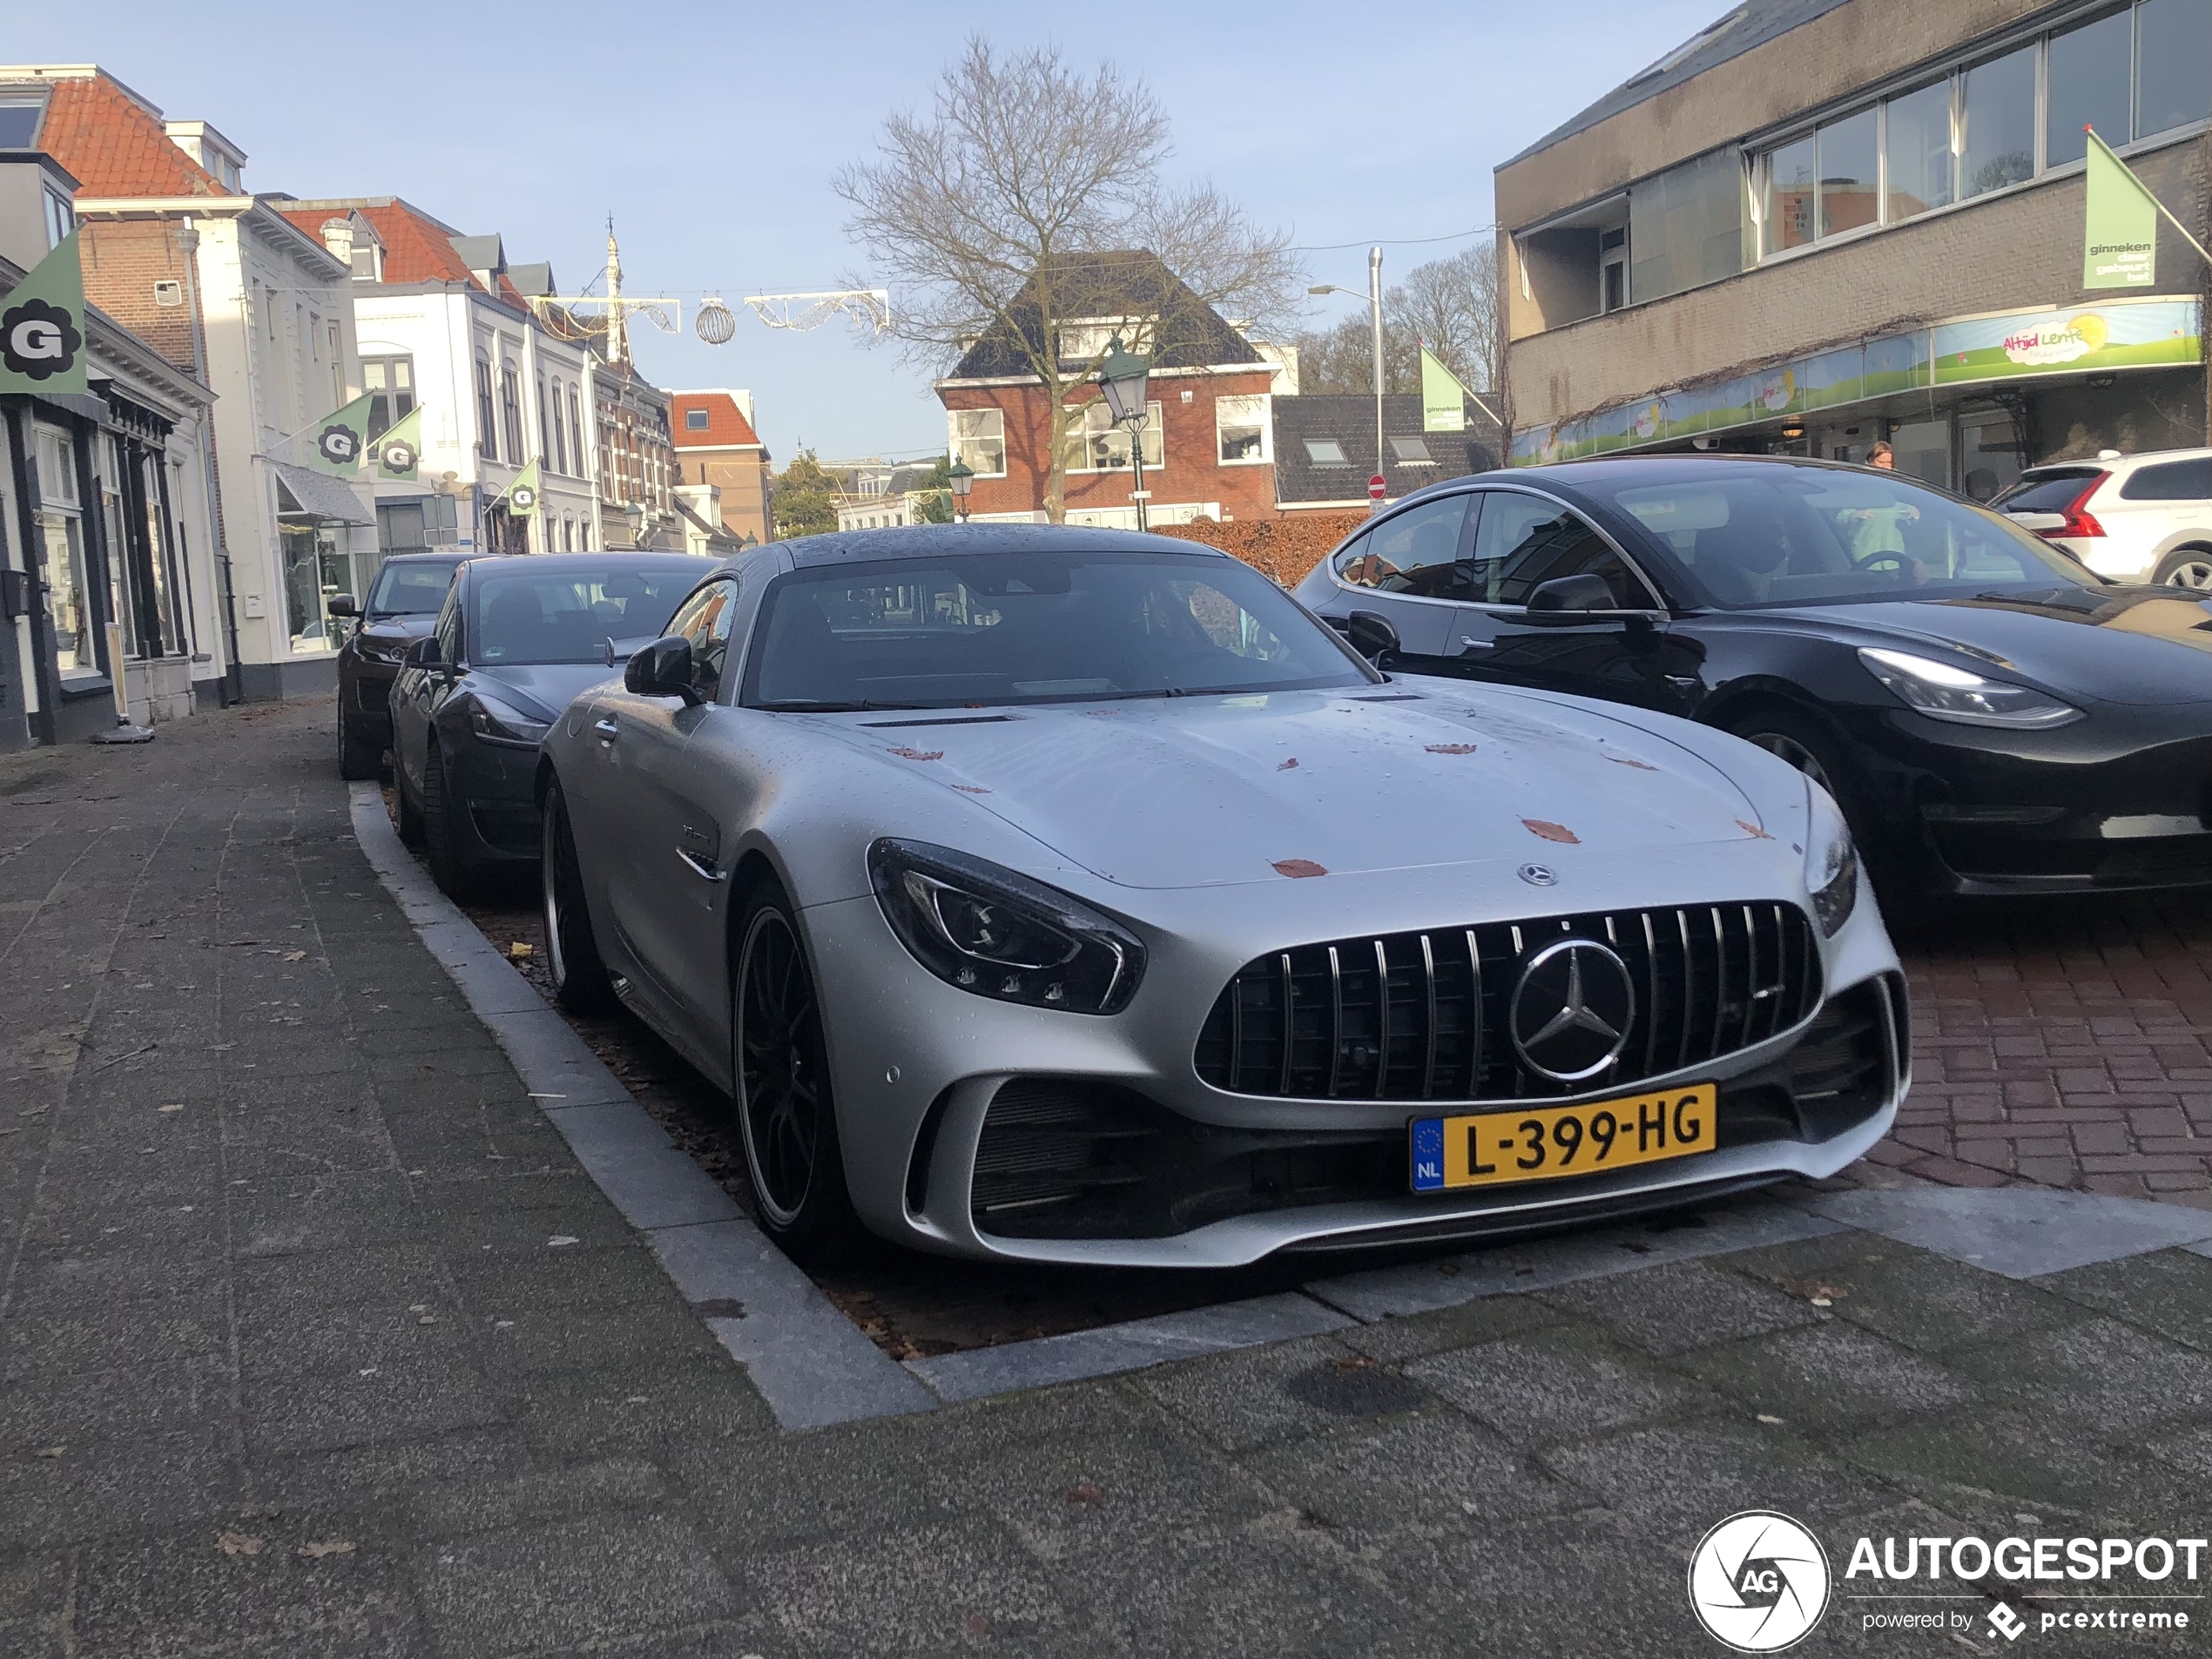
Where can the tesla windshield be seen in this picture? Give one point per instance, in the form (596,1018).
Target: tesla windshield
(1034,628)
(411,590)
(1757,536)
(524,613)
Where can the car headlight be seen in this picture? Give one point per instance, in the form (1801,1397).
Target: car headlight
(1832,861)
(997,934)
(495,721)
(1943,692)
(381,650)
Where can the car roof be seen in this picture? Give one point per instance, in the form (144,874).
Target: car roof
(953,541)
(659,557)
(1569,475)
(429,556)
(2116,463)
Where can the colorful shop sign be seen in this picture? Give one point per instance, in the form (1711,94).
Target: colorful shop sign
(2067,342)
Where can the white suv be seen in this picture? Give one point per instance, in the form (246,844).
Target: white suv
(2132,518)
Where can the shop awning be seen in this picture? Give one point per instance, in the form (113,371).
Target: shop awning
(316,494)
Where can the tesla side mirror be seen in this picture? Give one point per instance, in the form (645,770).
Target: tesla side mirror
(1371,634)
(423,653)
(1585,592)
(341,604)
(662,669)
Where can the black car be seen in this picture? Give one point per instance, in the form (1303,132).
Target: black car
(515,639)
(403,602)
(1991,718)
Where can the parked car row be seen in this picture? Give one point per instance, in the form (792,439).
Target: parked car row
(1079,896)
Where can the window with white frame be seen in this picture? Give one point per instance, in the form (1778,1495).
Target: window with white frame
(61,528)
(390,382)
(61,218)
(1991,121)
(1082,339)
(1098,445)
(978,439)
(1241,427)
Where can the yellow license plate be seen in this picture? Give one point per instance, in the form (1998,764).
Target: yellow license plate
(1490,1148)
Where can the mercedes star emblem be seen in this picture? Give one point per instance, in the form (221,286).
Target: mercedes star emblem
(1538,875)
(1572,1009)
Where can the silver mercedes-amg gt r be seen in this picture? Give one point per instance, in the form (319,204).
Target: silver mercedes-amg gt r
(1076,896)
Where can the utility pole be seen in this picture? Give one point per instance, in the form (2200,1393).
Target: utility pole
(1374,309)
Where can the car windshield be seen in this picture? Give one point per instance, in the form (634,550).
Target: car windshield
(523,612)
(1017,628)
(1758,536)
(410,589)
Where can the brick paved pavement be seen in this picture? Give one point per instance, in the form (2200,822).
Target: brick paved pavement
(2062,1043)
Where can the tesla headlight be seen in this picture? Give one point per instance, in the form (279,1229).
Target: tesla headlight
(494,722)
(1832,861)
(1001,935)
(379,650)
(1943,692)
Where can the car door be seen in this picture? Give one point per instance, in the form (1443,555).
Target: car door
(1410,570)
(1522,539)
(668,884)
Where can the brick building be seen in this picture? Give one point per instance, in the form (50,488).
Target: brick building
(715,445)
(1208,448)
(1823,223)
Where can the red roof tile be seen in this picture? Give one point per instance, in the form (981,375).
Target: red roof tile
(417,248)
(725,422)
(116,146)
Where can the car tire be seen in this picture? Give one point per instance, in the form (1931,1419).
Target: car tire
(408,817)
(2186,567)
(580,980)
(1809,746)
(455,874)
(780,1071)
(356,760)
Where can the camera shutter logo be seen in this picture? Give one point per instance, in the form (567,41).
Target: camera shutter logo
(339,446)
(1759,1581)
(39,340)
(523,497)
(399,457)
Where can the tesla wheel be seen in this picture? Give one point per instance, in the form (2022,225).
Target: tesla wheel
(781,1066)
(2187,567)
(1787,735)
(453,871)
(356,759)
(407,816)
(580,983)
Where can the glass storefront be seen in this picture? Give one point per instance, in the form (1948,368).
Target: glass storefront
(316,568)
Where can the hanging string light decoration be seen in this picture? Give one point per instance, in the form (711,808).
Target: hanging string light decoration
(716,323)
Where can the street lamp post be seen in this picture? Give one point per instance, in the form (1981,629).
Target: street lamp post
(1375,328)
(961,478)
(1121,381)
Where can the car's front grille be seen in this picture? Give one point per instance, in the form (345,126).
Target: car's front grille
(1425,1015)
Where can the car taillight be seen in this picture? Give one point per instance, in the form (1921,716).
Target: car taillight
(2079,522)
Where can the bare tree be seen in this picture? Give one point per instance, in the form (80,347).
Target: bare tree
(1030,197)
(1449,305)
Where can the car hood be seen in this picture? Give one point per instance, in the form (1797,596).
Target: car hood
(1205,791)
(411,626)
(2117,644)
(541,690)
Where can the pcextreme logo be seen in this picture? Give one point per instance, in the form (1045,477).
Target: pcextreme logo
(1758,1582)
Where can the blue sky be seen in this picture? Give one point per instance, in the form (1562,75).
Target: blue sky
(712,134)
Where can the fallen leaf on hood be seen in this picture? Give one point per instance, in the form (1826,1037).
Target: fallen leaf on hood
(970,789)
(1289,765)
(918,754)
(1296,868)
(1630,760)
(1083,1491)
(1451,748)
(238,1543)
(1551,832)
(328,1546)
(1753,830)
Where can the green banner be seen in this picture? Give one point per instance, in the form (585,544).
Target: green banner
(399,451)
(521,495)
(1443,399)
(2120,230)
(342,439)
(41,326)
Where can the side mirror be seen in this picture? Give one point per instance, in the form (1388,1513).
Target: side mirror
(341,604)
(662,668)
(1588,592)
(1371,634)
(424,653)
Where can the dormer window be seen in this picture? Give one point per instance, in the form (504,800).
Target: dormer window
(19,114)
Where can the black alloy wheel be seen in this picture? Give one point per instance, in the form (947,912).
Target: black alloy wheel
(580,980)
(407,816)
(357,760)
(455,874)
(781,1068)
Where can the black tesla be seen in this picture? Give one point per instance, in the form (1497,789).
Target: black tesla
(1993,717)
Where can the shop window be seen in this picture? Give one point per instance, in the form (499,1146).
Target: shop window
(1997,123)
(978,438)
(1097,445)
(1922,450)
(316,567)
(1989,454)
(2173,43)
(2087,76)
(390,383)
(1241,424)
